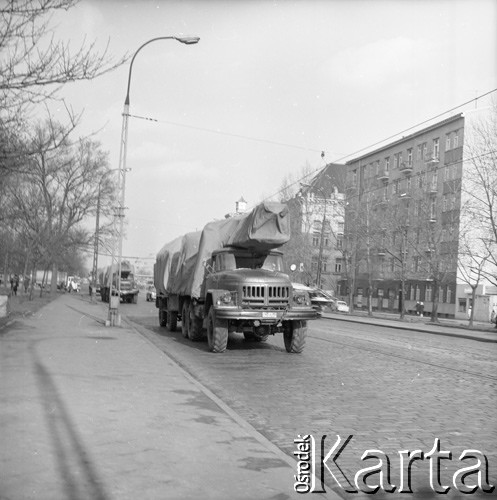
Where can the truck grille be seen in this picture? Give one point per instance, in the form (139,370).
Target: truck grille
(266,296)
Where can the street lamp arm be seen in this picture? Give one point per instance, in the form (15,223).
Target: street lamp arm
(188,40)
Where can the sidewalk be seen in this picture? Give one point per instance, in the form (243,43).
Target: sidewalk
(89,412)
(483,332)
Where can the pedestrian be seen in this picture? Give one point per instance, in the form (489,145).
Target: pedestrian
(418,308)
(11,282)
(421,308)
(26,284)
(493,315)
(15,285)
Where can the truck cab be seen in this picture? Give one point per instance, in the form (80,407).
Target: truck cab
(247,291)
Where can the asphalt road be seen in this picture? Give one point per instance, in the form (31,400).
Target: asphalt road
(391,390)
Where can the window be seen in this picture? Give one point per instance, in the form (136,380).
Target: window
(387,163)
(453,202)
(408,185)
(341,226)
(434,181)
(446,173)
(338,265)
(409,157)
(456,139)
(315,240)
(354,177)
(418,292)
(428,293)
(324,265)
(436,148)
(421,180)
(339,243)
(433,208)
(444,203)
(440,295)
(447,142)
(413,292)
(419,155)
(397,160)
(449,295)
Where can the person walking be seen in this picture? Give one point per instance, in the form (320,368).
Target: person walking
(15,285)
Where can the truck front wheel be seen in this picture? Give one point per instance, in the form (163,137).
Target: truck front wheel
(217,332)
(294,336)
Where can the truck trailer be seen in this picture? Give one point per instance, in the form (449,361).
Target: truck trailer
(229,278)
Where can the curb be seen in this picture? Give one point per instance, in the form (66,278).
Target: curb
(378,322)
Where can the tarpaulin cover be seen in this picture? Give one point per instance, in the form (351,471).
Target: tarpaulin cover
(266,226)
(184,263)
(180,264)
(162,266)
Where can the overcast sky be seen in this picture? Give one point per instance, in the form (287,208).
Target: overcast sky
(269,86)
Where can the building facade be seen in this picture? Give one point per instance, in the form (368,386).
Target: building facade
(402,219)
(317,215)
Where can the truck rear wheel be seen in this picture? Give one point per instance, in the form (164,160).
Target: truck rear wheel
(184,319)
(194,324)
(172,321)
(162,317)
(294,336)
(217,332)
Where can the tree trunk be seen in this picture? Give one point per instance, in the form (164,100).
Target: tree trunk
(53,284)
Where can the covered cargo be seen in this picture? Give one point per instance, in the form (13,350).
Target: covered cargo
(267,226)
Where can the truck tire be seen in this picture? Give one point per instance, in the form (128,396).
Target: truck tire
(172,321)
(217,332)
(162,317)
(184,319)
(194,325)
(294,336)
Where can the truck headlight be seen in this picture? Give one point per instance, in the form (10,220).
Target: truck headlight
(226,299)
(301,299)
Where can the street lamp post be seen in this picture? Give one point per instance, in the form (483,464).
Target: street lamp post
(114,299)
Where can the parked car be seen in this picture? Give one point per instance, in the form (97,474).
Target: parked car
(342,306)
(151,294)
(320,301)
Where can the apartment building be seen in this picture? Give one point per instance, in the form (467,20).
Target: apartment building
(402,217)
(317,215)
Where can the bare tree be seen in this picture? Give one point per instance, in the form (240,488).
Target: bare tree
(34,65)
(480,188)
(50,200)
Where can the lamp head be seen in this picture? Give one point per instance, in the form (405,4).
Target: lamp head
(188,40)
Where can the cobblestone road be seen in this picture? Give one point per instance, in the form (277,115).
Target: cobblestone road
(391,390)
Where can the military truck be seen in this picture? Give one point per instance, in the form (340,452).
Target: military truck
(129,288)
(229,278)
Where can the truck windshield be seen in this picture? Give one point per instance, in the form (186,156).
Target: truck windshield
(259,261)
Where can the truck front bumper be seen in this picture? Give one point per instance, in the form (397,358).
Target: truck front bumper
(266,317)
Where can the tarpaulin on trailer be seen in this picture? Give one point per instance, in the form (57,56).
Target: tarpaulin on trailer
(184,263)
(163,265)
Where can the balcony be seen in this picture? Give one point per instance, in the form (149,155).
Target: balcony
(406,168)
(431,160)
(405,196)
(433,188)
(382,251)
(384,175)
